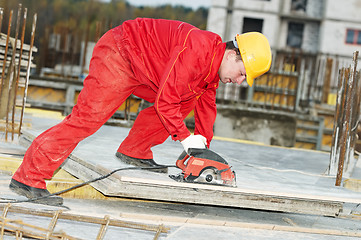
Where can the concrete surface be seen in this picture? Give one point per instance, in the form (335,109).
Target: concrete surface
(258,167)
(186,221)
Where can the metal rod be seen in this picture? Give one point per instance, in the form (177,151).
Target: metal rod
(1,17)
(345,134)
(103,228)
(342,154)
(89,219)
(28,71)
(353,95)
(5,212)
(20,227)
(52,224)
(85,47)
(6,52)
(64,35)
(19,69)
(159,231)
(337,120)
(19,235)
(12,68)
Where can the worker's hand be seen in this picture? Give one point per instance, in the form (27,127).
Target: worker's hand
(194,141)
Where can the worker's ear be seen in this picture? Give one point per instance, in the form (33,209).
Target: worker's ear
(230,53)
(233,54)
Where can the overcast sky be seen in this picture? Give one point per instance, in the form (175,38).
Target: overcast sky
(188,3)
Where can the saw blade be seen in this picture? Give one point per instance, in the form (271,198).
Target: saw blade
(210,176)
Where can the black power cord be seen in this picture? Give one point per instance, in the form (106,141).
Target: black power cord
(88,182)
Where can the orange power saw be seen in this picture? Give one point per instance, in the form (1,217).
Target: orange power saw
(204,166)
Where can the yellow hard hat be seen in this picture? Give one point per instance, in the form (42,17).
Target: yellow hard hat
(256,54)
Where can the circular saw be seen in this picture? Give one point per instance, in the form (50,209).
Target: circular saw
(204,166)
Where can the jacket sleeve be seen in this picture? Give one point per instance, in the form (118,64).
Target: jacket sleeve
(205,114)
(168,101)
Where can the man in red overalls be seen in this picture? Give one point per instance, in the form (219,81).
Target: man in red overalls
(172,64)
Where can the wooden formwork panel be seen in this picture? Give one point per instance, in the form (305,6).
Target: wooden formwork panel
(49,95)
(278,81)
(306,132)
(327,140)
(305,145)
(274,99)
(276,89)
(46,94)
(133,105)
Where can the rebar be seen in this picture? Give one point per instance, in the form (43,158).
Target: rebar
(1,17)
(345,118)
(103,228)
(337,120)
(47,233)
(27,72)
(12,68)
(5,54)
(19,69)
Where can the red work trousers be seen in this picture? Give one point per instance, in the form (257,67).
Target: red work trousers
(109,83)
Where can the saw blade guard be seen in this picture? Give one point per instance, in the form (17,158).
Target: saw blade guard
(197,164)
(204,153)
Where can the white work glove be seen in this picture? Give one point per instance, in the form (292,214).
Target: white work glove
(194,141)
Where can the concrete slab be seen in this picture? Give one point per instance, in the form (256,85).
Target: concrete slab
(272,178)
(184,221)
(286,171)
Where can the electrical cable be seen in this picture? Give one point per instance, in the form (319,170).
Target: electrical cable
(88,182)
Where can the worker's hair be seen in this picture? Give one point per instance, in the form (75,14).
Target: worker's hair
(230,46)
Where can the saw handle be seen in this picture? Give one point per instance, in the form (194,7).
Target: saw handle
(181,160)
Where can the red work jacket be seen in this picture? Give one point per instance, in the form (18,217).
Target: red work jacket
(175,62)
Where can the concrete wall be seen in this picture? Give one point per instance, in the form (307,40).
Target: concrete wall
(310,41)
(266,10)
(275,28)
(334,37)
(325,25)
(264,127)
(314,9)
(216,21)
(338,17)
(270,24)
(325,21)
(311,37)
(258,5)
(345,10)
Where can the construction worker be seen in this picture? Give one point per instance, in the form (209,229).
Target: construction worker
(172,64)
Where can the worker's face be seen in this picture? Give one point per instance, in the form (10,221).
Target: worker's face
(232,69)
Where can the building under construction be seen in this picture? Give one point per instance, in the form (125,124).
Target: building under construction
(310,42)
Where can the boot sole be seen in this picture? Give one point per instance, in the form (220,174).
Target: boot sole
(51,200)
(139,164)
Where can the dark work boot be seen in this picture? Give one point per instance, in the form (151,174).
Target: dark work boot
(146,163)
(32,192)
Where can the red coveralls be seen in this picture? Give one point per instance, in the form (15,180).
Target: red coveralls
(169,63)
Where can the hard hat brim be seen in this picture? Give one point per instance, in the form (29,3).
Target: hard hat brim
(256,54)
(249,81)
